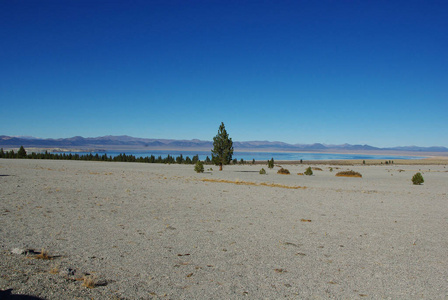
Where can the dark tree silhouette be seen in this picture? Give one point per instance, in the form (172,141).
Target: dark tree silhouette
(222,148)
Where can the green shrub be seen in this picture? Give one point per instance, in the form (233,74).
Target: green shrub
(271,163)
(417,178)
(283,171)
(199,167)
(262,171)
(308,171)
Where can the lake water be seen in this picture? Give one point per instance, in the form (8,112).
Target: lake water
(248,156)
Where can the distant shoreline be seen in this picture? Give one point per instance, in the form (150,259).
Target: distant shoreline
(366,157)
(332,151)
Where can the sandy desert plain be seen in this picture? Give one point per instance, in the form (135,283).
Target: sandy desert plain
(152,231)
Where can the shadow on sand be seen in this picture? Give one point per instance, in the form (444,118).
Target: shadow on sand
(6,295)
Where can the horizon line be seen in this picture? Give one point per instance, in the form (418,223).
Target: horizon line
(196,139)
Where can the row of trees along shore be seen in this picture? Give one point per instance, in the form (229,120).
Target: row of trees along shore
(122,157)
(221,153)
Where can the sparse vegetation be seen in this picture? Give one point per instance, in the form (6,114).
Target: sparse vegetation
(240,182)
(54,269)
(283,171)
(417,179)
(262,171)
(350,173)
(89,281)
(308,171)
(43,255)
(331,169)
(316,169)
(199,167)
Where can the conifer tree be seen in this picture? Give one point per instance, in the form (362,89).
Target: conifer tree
(222,148)
(271,163)
(21,153)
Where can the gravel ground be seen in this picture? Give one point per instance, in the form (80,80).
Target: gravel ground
(143,231)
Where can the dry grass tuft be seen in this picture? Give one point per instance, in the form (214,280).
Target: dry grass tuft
(283,171)
(43,255)
(280,271)
(54,269)
(316,169)
(89,281)
(349,174)
(239,182)
(301,174)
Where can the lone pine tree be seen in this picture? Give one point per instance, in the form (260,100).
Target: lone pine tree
(222,148)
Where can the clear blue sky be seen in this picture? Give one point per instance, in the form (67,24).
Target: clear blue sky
(359,72)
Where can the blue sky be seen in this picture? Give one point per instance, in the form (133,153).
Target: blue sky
(334,72)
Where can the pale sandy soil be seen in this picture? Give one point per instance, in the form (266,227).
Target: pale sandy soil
(159,231)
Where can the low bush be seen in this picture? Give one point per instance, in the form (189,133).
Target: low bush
(262,171)
(349,174)
(308,171)
(316,169)
(199,167)
(417,179)
(283,171)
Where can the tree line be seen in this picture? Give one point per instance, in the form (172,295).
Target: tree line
(122,157)
(222,153)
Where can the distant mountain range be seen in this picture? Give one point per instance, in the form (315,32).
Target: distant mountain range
(127,143)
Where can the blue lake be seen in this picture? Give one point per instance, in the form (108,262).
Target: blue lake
(248,156)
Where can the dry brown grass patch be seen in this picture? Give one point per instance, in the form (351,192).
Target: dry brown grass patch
(316,169)
(54,269)
(350,173)
(43,255)
(280,271)
(89,281)
(283,171)
(239,182)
